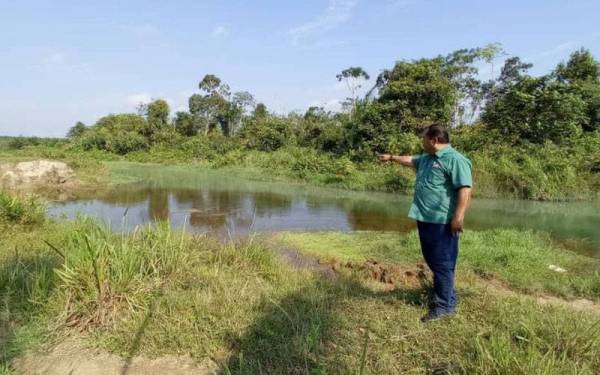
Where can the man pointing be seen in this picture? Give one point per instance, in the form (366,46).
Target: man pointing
(442,194)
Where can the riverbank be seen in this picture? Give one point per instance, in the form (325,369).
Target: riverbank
(543,173)
(248,306)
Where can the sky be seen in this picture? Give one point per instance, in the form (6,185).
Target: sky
(68,61)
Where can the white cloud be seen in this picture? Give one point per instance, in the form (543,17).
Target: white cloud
(54,58)
(137,99)
(338,12)
(559,48)
(58,61)
(219,31)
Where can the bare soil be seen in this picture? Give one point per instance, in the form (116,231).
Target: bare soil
(31,175)
(71,357)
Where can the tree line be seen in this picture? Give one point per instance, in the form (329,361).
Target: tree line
(512,107)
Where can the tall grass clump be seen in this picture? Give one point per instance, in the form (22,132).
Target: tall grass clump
(102,273)
(21,210)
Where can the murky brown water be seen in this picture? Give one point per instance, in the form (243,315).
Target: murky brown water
(228,206)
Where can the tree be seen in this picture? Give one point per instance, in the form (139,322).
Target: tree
(590,93)
(354,77)
(513,70)
(582,72)
(77,130)
(536,110)
(260,111)
(158,113)
(210,84)
(489,53)
(241,103)
(184,124)
(122,121)
(321,130)
(459,66)
(581,67)
(208,111)
(211,109)
(268,134)
(416,93)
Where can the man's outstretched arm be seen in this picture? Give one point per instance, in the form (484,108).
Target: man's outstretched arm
(405,160)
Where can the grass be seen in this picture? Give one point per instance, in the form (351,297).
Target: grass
(520,259)
(16,210)
(158,292)
(547,173)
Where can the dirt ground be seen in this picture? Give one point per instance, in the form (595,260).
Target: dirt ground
(70,357)
(30,175)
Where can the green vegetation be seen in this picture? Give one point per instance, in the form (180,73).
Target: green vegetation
(529,137)
(15,210)
(155,292)
(18,143)
(519,259)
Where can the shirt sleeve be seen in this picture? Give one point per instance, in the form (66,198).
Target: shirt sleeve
(460,173)
(416,159)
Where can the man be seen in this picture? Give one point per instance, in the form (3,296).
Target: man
(442,195)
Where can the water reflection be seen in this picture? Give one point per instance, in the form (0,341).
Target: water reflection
(236,210)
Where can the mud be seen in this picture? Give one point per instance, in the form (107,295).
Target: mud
(392,274)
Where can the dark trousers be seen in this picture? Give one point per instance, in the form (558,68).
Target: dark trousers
(440,250)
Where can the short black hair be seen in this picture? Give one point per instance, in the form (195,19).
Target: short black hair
(437,131)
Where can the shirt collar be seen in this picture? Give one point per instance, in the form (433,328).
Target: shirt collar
(439,153)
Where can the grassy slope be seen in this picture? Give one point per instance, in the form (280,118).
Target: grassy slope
(157,292)
(498,173)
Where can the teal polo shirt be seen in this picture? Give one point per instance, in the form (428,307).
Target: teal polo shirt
(439,176)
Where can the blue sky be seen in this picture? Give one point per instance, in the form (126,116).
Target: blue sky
(64,61)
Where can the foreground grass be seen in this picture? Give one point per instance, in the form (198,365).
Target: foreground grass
(156,292)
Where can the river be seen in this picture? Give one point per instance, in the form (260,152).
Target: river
(212,202)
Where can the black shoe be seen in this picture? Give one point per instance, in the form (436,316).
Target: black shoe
(433,315)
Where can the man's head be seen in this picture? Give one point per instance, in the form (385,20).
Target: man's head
(435,137)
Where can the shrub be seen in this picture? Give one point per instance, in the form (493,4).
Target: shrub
(125,142)
(18,210)
(269,134)
(91,140)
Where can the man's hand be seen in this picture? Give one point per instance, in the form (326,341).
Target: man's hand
(462,203)
(456,225)
(384,157)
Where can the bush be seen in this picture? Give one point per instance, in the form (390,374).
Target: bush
(17,210)
(19,143)
(122,143)
(91,140)
(269,134)
(539,172)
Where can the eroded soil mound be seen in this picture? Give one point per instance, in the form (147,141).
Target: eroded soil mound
(35,174)
(392,274)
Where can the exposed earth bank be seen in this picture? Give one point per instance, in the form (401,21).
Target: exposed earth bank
(31,175)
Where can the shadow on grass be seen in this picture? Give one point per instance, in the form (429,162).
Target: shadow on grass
(292,334)
(139,334)
(25,284)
